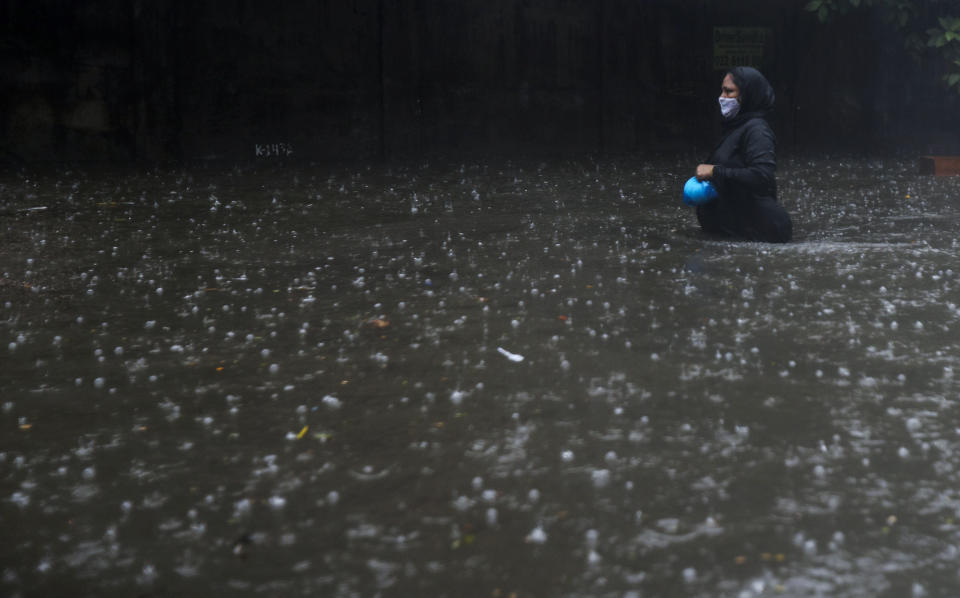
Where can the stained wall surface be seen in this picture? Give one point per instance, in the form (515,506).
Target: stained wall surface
(367,79)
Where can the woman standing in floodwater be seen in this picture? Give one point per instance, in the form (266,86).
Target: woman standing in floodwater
(742,166)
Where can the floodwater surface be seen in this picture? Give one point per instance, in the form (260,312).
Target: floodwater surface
(487,379)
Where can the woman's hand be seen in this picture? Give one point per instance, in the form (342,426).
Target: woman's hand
(704,172)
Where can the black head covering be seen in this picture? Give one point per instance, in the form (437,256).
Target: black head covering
(756,96)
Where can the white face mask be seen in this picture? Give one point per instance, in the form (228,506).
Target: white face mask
(729,107)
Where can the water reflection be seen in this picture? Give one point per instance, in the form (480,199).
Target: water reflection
(482,379)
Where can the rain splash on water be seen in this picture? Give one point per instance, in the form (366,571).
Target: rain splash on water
(486,379)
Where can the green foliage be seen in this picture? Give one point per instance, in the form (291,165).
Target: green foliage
(920,22)
(825,9)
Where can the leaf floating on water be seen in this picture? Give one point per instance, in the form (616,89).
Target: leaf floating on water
(303,432)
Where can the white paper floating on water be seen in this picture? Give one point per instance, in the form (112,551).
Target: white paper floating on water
(509,355)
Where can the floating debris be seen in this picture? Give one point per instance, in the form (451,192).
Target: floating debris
(511,356)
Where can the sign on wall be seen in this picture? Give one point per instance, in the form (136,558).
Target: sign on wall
(262,150)
(740,46)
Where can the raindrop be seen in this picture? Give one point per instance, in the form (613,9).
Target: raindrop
(600,477)
(462,503)
(591,538)
(537,536)
(148,574)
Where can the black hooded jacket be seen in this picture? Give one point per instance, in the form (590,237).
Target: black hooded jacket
(744,169)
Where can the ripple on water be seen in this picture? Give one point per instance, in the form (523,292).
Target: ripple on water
(471,371)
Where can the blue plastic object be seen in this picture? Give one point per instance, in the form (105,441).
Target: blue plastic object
(697,193)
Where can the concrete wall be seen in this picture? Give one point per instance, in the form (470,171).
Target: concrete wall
(361,79)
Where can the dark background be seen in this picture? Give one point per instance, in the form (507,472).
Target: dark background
(160,81)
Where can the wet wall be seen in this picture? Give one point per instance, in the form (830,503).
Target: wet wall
(366,79)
